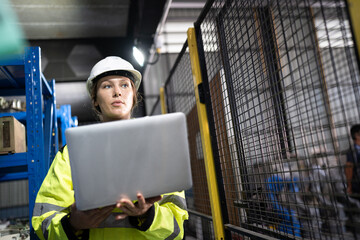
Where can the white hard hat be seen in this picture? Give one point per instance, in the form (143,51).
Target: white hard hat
(111,64)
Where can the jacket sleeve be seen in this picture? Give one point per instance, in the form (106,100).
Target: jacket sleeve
(165,220)
(53,199)
(350,156)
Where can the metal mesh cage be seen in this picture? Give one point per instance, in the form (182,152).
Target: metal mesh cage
(284,86)
(156,110)
(180,97)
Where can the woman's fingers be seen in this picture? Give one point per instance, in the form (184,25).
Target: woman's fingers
(141,201)
(121,216)
(139,208)
(94,217)
(153,200)
(126,205)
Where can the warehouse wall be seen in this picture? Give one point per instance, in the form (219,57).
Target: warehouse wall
(155,77)
(14,199)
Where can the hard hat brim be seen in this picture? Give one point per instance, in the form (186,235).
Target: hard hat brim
(112,64)
(136,74)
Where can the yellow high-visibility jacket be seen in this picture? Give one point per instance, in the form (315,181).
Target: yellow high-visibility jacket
(56,195)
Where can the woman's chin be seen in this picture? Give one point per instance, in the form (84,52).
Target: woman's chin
(115,117)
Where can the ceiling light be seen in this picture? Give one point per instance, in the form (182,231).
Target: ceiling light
(139,56)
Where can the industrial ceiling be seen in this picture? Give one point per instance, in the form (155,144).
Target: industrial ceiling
(75,34)
(88,28)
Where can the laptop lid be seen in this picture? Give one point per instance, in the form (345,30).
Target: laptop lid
(121,158)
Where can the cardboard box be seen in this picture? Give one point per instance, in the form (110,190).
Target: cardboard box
(12,136)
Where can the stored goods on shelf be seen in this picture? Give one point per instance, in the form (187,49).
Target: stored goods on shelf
(12,136)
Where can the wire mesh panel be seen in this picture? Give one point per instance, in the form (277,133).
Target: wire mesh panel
(180,97)
(284,87)
(199,226)
(156,110)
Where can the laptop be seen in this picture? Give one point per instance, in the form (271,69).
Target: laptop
(121,158)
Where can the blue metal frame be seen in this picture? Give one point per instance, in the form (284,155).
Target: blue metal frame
(40,119)
(17,160)
(35,130)
(50,123)
(65,120)
(20,116)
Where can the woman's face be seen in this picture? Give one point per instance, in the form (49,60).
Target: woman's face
(114,96)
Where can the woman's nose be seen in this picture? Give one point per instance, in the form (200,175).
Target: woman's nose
(117,92)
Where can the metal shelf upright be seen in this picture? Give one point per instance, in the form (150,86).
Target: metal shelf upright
(21,75)
(65,120)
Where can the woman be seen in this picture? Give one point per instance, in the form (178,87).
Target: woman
(112,86)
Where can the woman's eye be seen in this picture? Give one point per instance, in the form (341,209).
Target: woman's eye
(107,86)
(125,85)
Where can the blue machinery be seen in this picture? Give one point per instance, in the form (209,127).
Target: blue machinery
(21,75)
(290,222)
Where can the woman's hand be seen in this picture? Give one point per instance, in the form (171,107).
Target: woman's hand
(135,209)
(90,218)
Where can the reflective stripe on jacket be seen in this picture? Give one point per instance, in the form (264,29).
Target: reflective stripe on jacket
(56,195)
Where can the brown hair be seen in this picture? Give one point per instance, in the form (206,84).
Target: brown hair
(136,97)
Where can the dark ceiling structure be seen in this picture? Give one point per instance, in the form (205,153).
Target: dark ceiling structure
(75,34)
(73,30)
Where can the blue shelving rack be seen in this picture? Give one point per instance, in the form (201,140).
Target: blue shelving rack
(21,75)
(65,120)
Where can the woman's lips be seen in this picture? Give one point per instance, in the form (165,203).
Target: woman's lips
(117,103)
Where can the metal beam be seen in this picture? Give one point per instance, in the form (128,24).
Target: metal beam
(354,9)
(205,139)
(9,77)
(162,101)
(46,87)
(14,176)
(13,160)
